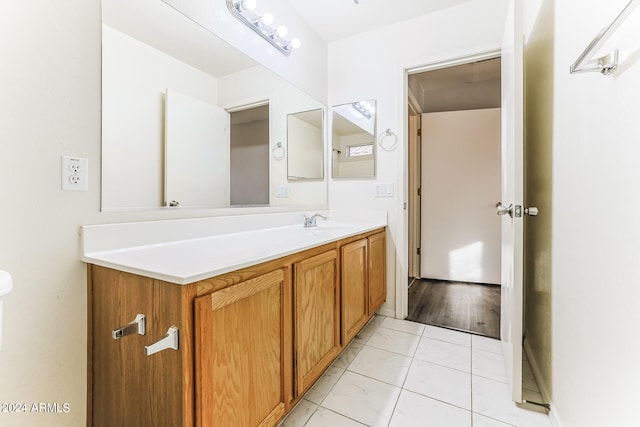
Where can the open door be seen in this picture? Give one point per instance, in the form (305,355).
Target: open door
(510,207)
(196,152)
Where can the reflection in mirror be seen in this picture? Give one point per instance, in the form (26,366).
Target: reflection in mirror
(250,156)
(191,128)
(161,72)
(305,143)
(353,131)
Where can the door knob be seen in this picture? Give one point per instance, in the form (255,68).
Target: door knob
(531,211)
(503,210)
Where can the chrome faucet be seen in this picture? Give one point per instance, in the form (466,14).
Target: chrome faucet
(311,221)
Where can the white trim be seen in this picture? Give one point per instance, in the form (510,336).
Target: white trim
(248,106)
(446,63)
(402,250)
(542,385)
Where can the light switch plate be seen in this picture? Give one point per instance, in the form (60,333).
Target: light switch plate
(282,191)
(75,173)
(384,189)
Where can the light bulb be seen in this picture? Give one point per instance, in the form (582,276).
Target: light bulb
(295,43)
(267,18)
(249,4)
(282,31)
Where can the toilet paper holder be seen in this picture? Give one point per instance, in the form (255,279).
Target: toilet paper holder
(136,326)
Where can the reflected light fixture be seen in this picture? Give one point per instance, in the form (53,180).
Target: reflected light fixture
(364,108)
(263,25)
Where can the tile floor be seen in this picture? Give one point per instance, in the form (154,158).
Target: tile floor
(398,373)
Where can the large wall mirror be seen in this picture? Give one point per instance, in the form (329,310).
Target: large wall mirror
(353,148)
(190,121)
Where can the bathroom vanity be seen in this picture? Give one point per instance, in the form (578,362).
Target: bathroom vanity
(233,334)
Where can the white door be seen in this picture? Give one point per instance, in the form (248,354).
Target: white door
(196,152)
(512,197)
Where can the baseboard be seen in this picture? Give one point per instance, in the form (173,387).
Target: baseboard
(542,385)
(388,312)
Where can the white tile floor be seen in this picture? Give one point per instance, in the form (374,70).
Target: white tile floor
(402,374)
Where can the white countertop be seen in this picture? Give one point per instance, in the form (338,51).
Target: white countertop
(189,260)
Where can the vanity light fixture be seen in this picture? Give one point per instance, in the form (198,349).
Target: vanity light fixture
(364,108)
(262,25)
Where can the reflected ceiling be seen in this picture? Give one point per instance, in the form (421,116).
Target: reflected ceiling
(158,25)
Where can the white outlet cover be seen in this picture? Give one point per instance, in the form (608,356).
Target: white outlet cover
(75,173)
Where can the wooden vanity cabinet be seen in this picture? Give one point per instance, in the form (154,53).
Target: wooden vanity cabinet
(354,289)
(127,388)
(363,287)
(377,247)
(316,317)
(240,353)
(251,342)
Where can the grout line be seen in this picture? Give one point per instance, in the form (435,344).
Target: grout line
(471,381)
(338,413)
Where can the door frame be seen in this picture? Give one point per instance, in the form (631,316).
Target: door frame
(402,264)
(414,171)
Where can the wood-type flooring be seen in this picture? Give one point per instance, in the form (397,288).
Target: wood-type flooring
(467,307)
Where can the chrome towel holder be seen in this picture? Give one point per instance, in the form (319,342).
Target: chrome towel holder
(388,140)
(607,63)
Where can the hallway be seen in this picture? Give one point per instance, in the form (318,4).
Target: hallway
(470,307)
(400,373)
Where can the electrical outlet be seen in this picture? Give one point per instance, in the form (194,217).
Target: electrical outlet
(75,173)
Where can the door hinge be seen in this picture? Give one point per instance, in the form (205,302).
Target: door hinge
(419,251)
(419,191)
(420,132)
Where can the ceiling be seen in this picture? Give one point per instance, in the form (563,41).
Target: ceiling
(461,87)
(157,24)
(336,19)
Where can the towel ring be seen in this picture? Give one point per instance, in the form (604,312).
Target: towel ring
(278,152)
(387,140)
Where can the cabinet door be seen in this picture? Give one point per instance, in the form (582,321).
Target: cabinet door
(240,353)
(377,271)
(355,302)
(316,317)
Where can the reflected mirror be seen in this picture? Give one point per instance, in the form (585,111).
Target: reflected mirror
(169,92)
(353,148)
(305,143)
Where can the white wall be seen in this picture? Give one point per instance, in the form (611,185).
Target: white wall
(51,106)
(592,121)
(372,65)
(460,186)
